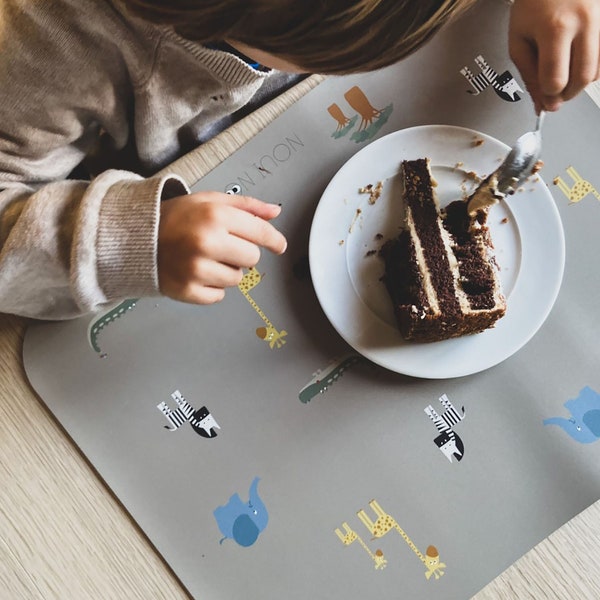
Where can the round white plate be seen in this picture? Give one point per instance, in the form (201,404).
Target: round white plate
(347,228)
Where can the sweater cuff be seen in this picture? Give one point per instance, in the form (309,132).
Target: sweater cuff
(127,242)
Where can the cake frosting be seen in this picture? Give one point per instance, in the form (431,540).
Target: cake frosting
(486,195)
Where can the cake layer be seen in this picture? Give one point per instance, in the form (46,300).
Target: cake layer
(440,272)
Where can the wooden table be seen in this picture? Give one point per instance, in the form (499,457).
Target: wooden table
(64,535)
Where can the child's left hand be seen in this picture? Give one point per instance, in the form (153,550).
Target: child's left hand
(555,44)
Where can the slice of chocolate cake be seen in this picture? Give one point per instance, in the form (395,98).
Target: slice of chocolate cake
(440,272)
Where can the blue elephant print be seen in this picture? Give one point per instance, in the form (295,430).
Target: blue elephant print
(242,521)
(584,423)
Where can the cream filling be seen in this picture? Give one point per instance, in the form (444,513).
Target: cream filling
(460,294)
(486,195)
(483,198)
(463,300)
(428,288)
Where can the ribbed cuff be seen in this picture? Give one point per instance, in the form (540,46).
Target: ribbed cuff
(127,242)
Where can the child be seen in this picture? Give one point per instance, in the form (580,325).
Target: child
(120,88)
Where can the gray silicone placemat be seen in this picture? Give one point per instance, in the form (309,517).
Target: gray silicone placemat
(261,480)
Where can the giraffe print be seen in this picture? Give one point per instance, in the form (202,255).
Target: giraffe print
(269,334)
(383,524)
(349,536)
(580,188)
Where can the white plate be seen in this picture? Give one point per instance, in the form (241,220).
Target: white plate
(526,229)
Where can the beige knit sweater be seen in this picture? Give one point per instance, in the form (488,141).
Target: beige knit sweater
(80,80)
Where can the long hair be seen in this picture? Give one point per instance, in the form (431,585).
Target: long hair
(319,36)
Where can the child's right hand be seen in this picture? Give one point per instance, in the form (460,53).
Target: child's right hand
(206,239)
(555,44)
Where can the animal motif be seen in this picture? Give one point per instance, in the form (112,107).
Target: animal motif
(580,188)
(584,423)
(325,378)
(269,334)
(357,99)
(242,521)
(371,119)
(102,320)
(202,421)
(383,524)
(349,536)
(505,85)
(344,124)
(448,441)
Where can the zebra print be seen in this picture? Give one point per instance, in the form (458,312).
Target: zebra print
(448,418)
(479,82)
(180,415)
(505,85)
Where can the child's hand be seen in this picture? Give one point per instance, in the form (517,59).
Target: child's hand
(205,239)
(555,44)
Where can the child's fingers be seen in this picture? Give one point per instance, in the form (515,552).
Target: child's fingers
(206,239)
(584,63)
(211,273)
(554,56)
(256,207)
(256,230)
(238,252)
(251,205)
(555,44)
(202,294)
(524,54)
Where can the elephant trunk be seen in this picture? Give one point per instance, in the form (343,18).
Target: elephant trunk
(253,492)
(581,434)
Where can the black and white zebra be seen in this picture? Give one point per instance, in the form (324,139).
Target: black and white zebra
(505,85)
(449,418)
(182,414)
(448,441)
(201,420)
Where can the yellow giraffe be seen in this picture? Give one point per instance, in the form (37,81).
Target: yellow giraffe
(351,536)
(385,523)
(581,188)
(275,338)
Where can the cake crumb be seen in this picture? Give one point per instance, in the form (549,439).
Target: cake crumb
(341,243)
(356,215)
(458,165)
(374,191)
(379,236)
(555,180)
(477,142)
(537,167)
(370,253)
(505,220)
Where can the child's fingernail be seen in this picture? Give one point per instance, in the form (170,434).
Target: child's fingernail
(552,104)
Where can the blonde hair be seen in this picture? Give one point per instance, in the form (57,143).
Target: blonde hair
(320,36)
